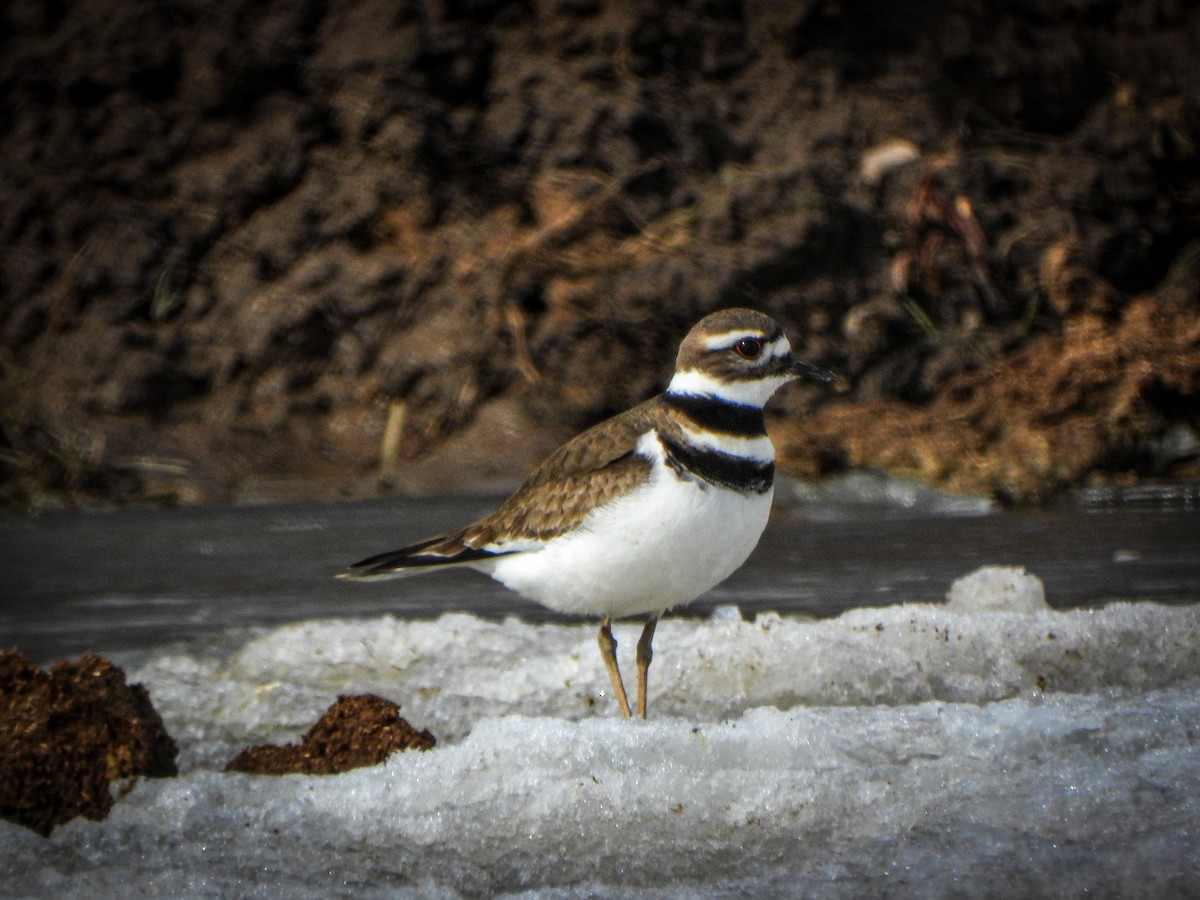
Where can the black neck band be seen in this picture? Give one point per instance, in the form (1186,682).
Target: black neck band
(719,416)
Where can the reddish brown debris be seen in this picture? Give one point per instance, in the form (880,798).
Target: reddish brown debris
(1040,419)
(66,734)
(357,731)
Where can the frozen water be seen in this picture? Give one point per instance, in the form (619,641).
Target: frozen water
(986,747)
(848,496)
(999,589)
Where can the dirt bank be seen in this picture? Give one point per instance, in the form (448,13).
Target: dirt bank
(252,247)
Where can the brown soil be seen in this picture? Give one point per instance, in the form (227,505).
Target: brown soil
(357,731)
(357,244)
(1045,416)
(67,733)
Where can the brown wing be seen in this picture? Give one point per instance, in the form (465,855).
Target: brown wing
(555,498)
(565,487)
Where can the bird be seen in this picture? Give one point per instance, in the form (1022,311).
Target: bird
(644,511)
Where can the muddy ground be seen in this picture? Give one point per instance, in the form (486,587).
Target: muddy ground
(299,248)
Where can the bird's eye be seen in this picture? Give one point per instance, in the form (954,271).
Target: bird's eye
(748,348)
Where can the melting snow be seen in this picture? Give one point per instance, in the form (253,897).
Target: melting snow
(989,746)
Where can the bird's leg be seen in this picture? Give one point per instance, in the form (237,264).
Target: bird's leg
(644,655)
(608,652)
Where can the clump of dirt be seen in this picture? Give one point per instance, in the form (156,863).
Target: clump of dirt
(66,734)
(357,731)
(415,248)
(1096,397)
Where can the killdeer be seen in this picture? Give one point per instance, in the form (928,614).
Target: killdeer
(644,511)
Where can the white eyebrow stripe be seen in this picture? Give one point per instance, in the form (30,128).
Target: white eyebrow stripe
(727,339)
(781,346)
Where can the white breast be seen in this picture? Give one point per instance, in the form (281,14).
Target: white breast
(661,545)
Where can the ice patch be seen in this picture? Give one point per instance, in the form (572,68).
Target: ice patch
(920,750)
(997,589)
(843,497)
(1054,796)
(450,672)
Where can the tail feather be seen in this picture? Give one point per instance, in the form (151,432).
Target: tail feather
(433,553)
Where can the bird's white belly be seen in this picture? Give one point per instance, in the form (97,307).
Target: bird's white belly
(659,546)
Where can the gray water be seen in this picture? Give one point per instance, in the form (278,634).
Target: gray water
(123,581)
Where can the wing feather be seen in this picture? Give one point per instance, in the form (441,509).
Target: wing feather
(560,492)
(555,498)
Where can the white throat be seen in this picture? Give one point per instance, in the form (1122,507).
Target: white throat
(755,392)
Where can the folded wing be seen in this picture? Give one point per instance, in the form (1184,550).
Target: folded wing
(556,498)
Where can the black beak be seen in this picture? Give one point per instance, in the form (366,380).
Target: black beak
(808,370)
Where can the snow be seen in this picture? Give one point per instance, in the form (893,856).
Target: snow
(999,589)
(988,746)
